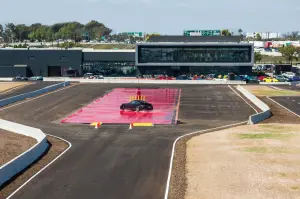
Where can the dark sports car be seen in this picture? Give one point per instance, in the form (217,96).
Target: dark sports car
(137,105)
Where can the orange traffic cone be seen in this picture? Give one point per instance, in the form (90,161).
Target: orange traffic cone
(130,126)
(97,125)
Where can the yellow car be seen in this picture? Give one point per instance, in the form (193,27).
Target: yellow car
(270,79)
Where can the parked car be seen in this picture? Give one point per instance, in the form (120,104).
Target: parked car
(261,78)
(137,105)
(281,78)
(293,79)
(289,74)
(98,77)
(164,77)
(88,76)
(20,78)
(36,78)
(270,79)
(183,77)
(251,79)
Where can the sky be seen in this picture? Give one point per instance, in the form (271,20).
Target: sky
(162,16)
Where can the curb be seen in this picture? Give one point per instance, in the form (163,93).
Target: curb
(256,118)
(19,163)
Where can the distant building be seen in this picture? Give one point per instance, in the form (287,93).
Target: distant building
(264,35)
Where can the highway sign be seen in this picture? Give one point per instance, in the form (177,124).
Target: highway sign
(202,33)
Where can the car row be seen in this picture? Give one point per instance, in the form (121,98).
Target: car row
(92,76)
(34,78)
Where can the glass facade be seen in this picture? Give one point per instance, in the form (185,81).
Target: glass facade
(107,68)
(194,54)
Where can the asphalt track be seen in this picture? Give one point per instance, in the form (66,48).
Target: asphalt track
(112,161)
(25,89)
(288,87)
(290,102)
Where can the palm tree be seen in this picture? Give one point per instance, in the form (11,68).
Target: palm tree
(240,31)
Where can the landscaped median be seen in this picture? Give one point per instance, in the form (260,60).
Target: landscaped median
(260,161)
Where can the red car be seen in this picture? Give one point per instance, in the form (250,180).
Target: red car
(261,78)
(163,77)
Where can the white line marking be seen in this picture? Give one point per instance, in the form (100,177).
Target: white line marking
(283,107)
(274,87)
(30,99)
(173,150)
(242,98)
(70,145)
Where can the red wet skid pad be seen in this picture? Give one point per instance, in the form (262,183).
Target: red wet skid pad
(106,109)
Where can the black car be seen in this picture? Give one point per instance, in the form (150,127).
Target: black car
(137,105)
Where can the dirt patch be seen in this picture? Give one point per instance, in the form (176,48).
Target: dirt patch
(57,146)
(13,144)
(6,86)
(267,91)
(260,161)
(178,181)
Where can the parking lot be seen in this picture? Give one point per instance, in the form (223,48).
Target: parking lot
(135,162)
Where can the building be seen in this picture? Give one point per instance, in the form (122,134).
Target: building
(201,58)
(172,55)
(264,35)
(47,62)
(194,39)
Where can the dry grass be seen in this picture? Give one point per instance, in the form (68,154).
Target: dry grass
(5,86)
(12,145)
(267,91)
(261,161)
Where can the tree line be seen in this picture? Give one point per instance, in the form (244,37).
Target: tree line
(38,32)
(290,53)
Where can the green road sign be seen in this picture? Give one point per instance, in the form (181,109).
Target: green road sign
(202,33)
(135,34)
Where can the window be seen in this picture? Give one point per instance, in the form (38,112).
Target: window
(31,58)
(63,58)
(194,54)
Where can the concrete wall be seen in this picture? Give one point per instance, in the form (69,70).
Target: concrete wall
(109,56)
(23,96)
(10,71)
(16,165)
(256,118)
(138,81)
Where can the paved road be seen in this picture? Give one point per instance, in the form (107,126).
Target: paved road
(25,89)
(290,102)
(288,87)
(114,162)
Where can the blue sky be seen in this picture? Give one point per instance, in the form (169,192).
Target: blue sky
(164,16)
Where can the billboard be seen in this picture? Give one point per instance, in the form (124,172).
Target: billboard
(202,32)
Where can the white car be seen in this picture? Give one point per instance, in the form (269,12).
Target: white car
(289,74)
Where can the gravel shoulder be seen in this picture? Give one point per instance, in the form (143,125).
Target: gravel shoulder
(12,145)
(260,161)
(57,146)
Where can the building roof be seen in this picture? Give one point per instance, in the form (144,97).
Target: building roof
(187,39)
